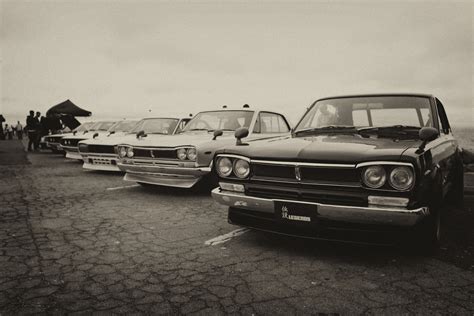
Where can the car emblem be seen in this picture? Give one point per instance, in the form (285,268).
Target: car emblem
(151,154)
(298,173)
(284,212)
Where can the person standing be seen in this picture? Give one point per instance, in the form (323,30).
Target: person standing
(39,130)
(31,128)
(19,130)
(9,131)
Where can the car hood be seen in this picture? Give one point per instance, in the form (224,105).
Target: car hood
(326,148)
(112,140)
(185,139)
(87,135)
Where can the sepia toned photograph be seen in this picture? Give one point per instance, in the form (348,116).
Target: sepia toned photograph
(236,157)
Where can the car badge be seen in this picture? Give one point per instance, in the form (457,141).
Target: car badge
(298,173)
(152,154)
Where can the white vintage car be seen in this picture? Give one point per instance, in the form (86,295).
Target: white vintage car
(53,141)
(184,159)
(99,153)
(70,143)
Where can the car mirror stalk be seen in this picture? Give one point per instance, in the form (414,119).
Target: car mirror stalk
(217,133)
(240,133)
(426,135)
(141,134)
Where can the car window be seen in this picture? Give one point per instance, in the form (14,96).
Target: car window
(182,124)
(156,126)
(376,111)
(271,123)
(226,120)
(444,123)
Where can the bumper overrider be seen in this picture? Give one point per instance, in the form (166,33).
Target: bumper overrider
(314,219)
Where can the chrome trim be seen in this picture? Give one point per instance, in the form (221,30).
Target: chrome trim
(234,156)
(395,163)
(302,164)
(353,214)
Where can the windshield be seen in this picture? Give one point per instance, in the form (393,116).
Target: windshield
(156,126)
(83,127)
(225,120)
(101,126)
(123,126)
(366,112)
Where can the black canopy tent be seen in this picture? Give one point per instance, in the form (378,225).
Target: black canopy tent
(67,108)
(66,112)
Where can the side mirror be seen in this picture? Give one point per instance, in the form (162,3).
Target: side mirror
(217,133)
(240,133)
(112,132)
(95,135)
(426,134)
(141,134)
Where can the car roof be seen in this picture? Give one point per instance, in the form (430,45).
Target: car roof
(422,95)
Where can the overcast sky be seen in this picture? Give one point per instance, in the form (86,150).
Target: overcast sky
(124,58)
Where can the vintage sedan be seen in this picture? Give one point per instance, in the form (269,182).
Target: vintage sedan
(184,159)
(369,168)
(99,153)
(70,143)
(53,141)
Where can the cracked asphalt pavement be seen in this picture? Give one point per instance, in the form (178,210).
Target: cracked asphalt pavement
(69,245)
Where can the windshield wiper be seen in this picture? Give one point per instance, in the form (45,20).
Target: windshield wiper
(326,129)
(390,130)
(198,129)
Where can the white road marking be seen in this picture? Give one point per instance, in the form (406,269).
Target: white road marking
(226,237)
(123,187)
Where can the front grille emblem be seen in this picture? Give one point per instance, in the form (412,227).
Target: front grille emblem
(298,173)
(152,154)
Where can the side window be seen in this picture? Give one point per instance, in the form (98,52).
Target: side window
(268,123)
(444,124)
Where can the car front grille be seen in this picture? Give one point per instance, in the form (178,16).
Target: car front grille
(70,142)
(101,149)
(154,153)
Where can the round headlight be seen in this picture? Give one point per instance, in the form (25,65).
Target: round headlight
(224,167)
(181,153)
(122,151)
(130,152)
(401,178)
(191,154)
(241,168)
(374,177)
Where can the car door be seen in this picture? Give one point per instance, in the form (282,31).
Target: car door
(446,150)
(270,124)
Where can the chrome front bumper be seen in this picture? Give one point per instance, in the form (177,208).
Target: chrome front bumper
(54,146)
(102,162)
(173,176)
(349,214)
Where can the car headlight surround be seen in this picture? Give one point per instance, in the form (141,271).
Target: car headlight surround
(181,153)
(191,153)
(122,151)
(130,152)
(401,178)
(224,166)
(241,168)
(374,176)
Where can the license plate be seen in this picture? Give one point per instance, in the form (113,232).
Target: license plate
(295,212)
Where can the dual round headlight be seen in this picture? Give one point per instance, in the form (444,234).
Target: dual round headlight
(130,152)
(186,153)
(226,166)
(400,178)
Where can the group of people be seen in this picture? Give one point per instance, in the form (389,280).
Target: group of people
(35,128)
(9,131)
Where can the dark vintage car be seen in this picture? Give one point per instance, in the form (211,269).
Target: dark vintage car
(368,168)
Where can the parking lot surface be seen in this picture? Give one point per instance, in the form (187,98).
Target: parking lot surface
(77,241)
